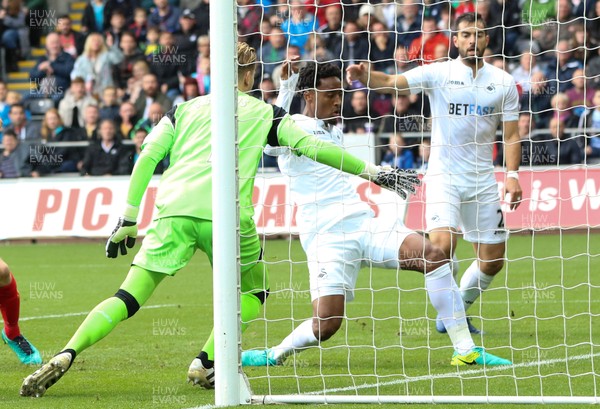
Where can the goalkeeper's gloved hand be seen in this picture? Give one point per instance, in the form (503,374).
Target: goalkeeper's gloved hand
(401,181)
(124,234)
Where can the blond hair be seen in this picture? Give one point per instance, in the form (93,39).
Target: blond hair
(88,45)
(246,56)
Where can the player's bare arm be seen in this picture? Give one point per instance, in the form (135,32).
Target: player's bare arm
(512,149)
(376,80)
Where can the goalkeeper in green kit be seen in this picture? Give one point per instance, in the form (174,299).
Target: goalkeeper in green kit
(184,220)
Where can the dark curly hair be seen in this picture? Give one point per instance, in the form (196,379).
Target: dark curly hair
(312,74)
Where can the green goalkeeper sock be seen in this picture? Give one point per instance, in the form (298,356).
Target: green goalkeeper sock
(139,283)
(98,324)
(250,308)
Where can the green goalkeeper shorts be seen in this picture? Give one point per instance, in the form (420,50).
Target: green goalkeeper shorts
(171,242)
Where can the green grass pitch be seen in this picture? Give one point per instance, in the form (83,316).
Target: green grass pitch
(394,348)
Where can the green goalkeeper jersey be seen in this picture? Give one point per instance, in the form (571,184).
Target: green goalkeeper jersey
(184,133)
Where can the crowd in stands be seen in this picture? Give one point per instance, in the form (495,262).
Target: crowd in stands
(133,60)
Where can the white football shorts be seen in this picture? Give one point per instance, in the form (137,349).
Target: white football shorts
(336,256)
(475,211)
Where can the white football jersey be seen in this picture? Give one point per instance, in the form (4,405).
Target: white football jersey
(466,113)
(325,196)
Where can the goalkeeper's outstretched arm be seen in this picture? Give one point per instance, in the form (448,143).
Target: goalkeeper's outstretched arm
(376,80)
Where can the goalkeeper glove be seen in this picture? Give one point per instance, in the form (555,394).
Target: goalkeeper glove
(124,234)
(401,181)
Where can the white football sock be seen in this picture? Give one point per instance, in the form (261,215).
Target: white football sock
(445,297)
(299,338)
(472,283)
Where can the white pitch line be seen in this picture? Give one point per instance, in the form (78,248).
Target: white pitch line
(455,374)
(204,407)
(76,314)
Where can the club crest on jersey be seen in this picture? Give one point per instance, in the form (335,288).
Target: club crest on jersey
(491,88)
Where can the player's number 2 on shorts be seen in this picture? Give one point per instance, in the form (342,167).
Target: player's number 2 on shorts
(501,222)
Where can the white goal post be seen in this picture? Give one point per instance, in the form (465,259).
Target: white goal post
(548,289)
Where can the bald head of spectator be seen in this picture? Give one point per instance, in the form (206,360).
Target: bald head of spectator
(564,52)
(150,85)
(440,52)
(333,16)
(409,9)
(155,113)
(557,129)
(53,47)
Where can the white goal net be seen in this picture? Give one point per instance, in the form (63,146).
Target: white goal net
(541,310)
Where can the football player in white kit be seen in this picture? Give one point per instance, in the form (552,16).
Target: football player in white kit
(339,234)
(469,99)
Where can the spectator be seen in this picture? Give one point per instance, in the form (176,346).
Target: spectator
(563,110)
(353,47)
(91,118)
(52,73)
(249,18)
(299,25)
(523,73)
(580,96)
(292,53)
(202,13)
(569,150)
(495,30)
(72,105)
(15,38)
(127,119)
(592,25)
(387,12)
(3,104)
(531,150)
(12,98)
(155,113)
(397,155)
(167,65)
(186,38)
(273,52)
(537,100)
(401,61)
(422,161)
(314,49)
(134,84)
(164,16)
(422,48)
(14,160)
(108,156)
(139,27)
(331,31)
(152,46)
(138,141)
(125,7)
(564,65)
(56,159)
(26,131)
(190,91)
(117,27)
(71,41)
(367,17)
(406,116)
(109,109)
(123,71)
(408,24)
(96,17)
(357,119)
(441,53)
(96,63)
(589,124)
(382,49)
(268,91)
